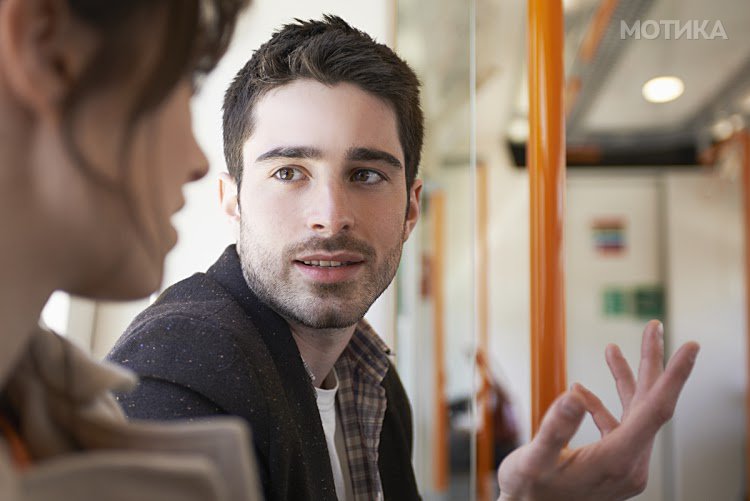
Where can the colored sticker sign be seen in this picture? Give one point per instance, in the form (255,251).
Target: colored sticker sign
(609,236)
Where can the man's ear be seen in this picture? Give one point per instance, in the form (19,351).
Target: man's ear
(43,50)
(229,197)
(413,208)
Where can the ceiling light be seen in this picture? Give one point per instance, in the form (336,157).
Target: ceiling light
(722,129)
(663,89)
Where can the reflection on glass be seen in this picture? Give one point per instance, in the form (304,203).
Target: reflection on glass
(435,40)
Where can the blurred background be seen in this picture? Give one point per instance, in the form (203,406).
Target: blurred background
(658,107)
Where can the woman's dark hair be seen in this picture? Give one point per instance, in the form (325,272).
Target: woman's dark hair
(191,36)
(194,34)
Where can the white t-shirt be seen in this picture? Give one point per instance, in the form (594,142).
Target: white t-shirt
(335,440)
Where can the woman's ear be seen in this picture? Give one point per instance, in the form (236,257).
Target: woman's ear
(43,50)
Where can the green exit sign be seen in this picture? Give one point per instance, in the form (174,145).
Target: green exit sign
(643,302)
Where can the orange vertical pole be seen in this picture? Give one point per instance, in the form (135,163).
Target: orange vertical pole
(485,436)
(546,161)
(745,142)
(440,437)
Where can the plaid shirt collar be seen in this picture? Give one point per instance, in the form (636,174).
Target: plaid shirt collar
(361,404)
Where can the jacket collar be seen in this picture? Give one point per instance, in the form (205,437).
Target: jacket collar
(274,330)
(295,380)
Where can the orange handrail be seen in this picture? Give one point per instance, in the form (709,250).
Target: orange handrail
(744,138)
(596,29)
(590,44)
(546,153)
(441,466)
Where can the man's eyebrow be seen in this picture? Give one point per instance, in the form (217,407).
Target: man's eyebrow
(373,155)
(291,152)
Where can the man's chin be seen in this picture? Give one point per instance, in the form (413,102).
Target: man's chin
(326,317)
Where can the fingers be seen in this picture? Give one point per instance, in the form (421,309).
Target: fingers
(658,407)
(558,426)
(623,375)
(667,390)
(603,419)
(652,356)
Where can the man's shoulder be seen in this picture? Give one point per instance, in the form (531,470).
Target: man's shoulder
(197,336)
(198,297)
(191,320)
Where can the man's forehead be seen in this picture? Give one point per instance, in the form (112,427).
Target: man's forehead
(332,118)
(307,95)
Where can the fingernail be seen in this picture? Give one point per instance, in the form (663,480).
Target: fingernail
(571,407)
(660,335)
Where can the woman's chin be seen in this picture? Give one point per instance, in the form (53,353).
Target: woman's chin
(135,280)
(120,292)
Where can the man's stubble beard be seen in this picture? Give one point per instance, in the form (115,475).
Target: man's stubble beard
(317,306)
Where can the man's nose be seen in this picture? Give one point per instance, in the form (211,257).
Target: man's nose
(329,211)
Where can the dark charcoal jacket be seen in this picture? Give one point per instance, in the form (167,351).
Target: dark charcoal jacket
(208,346)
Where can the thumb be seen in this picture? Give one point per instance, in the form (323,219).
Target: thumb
(558,426)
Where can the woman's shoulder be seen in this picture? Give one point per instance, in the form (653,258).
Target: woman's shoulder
(83,448)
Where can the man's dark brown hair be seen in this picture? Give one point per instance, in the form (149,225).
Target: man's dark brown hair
(329,51)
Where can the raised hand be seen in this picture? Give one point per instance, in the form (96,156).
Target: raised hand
(615,467)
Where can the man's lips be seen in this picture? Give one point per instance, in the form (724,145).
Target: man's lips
(330,259)
(329,268)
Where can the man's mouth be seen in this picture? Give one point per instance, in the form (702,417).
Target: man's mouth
(328,264)
(330,268)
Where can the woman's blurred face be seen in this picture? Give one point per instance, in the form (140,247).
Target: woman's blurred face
(146,164)
(88,188)
(102,198)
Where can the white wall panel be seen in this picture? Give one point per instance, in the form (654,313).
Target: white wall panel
(706,304)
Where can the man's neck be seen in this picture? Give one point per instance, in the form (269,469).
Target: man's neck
(320,348)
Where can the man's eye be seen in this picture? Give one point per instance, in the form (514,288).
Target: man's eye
(366,176)
(286,174)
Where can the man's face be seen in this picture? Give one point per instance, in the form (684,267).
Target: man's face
(323,207)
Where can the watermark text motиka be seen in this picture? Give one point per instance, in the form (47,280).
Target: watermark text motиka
(673,29)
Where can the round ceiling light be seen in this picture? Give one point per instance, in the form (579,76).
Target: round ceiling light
(663,89)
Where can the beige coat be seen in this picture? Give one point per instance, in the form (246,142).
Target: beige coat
(84,449)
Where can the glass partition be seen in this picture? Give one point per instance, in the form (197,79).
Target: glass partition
(657,96)
(437,340)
